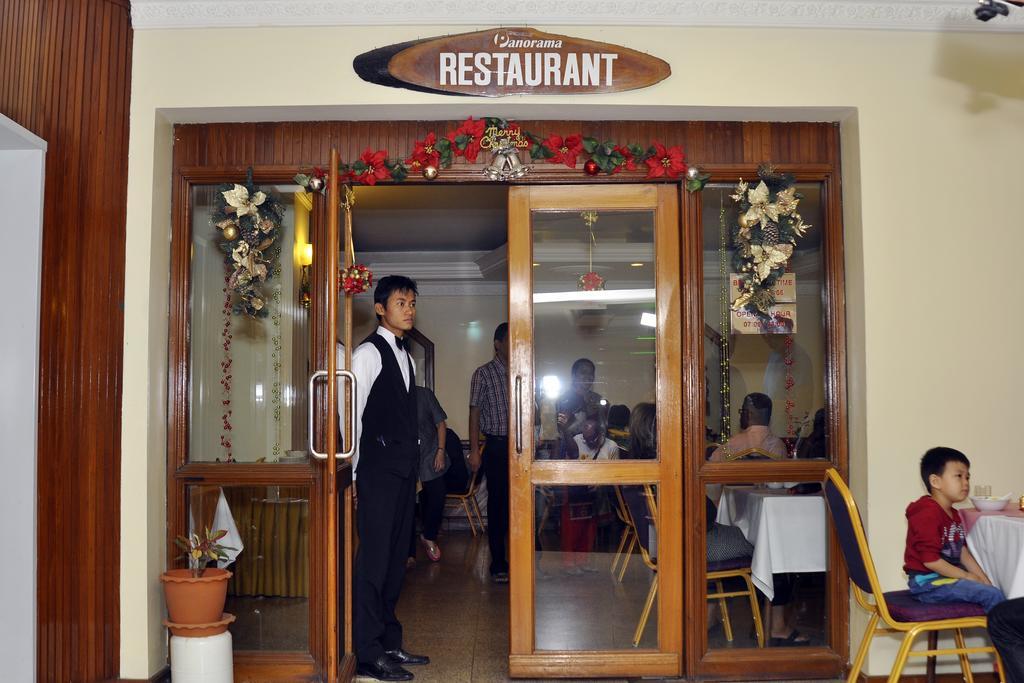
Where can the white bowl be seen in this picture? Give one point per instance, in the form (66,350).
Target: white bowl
(776,485)
(990,503)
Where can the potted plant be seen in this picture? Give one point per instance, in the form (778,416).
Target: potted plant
(196,595)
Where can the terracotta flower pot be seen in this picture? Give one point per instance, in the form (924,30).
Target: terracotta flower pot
(195,601)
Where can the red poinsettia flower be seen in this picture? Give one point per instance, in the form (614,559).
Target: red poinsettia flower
(471,132)
(629,163)
(425,154)
(375,168)
(565,149)
(670,163)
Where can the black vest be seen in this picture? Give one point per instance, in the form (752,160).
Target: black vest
(389,440)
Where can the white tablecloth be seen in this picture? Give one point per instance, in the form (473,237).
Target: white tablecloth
(998,545)
(787,531)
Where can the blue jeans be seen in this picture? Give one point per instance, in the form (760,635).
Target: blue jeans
(933,588)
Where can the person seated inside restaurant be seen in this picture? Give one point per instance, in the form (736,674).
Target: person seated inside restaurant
(1006,628)
(815,444)
(592,444)
(939,566)
(618,425)
(755,432)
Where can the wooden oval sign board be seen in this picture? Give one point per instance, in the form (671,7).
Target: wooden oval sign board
(510,61)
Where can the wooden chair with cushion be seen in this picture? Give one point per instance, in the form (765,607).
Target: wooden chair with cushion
(467,501)
(900,612)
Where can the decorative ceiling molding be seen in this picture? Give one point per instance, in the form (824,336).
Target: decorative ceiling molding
(903,15)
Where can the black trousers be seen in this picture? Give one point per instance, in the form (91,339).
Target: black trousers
(495,464)
(1006,628)
(384,518)
(431,509)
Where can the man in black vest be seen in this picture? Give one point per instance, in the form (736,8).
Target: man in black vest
(386,463)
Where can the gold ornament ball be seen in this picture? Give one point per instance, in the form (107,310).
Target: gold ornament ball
(430,172)
(230,233)
(742,220)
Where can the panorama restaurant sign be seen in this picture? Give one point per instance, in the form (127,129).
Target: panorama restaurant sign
(510,61)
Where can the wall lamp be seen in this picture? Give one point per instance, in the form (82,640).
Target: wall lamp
(305,261)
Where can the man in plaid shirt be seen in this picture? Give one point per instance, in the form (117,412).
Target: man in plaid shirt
(488,414)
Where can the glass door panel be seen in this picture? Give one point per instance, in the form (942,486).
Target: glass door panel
(248,375)
(594,323)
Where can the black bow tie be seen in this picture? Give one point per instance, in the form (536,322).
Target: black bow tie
(402,343)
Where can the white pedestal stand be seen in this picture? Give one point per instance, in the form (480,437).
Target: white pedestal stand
(202,660)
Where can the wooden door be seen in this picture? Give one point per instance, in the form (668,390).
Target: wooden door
(594,319)
(253,417)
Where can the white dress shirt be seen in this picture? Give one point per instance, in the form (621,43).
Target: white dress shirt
(366,365)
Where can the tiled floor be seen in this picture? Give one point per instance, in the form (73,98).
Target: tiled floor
(453,612)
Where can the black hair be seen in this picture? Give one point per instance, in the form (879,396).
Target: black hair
(618,416)
(390,284)
(934,462)
(501,332)
(759,409)
(580,362)
(643,437)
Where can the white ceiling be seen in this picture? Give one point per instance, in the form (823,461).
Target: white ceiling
(910,15)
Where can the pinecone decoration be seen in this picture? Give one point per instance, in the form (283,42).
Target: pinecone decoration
(770,233)
(250,232)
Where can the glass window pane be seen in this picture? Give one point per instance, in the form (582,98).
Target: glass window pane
(767,555)
(269,590)
(596,567)
(764,370)
(594,328)
(248,375)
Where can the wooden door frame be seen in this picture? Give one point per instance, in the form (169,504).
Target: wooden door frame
(703,663)
(526,473)
(181,473)
(202,155)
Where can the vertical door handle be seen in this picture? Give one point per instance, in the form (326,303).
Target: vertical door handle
(309,415)
(352,408)
(352,412)
(519,414)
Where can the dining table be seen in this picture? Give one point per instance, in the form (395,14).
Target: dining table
(997,543)
(787,530)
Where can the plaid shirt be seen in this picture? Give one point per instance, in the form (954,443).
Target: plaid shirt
(488,391)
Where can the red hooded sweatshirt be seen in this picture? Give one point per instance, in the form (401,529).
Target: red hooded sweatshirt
(931,535)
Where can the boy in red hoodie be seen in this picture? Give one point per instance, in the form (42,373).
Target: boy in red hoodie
(938,564)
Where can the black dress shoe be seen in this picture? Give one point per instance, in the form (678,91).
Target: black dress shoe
(384,668)
(400,656)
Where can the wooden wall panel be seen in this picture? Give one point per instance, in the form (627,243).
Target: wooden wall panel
(308,143)
(65,75)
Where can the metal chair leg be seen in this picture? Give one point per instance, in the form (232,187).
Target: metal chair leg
(965,662)
(862,652)
(645,615)
(755,610)
(479,517)
(628,556)
(723,611)
(469,516)
(618,551)
(901,655)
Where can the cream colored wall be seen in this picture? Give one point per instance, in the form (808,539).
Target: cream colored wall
(931,146)
(462,329)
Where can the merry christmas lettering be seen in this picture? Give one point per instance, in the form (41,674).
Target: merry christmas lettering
(494,138)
